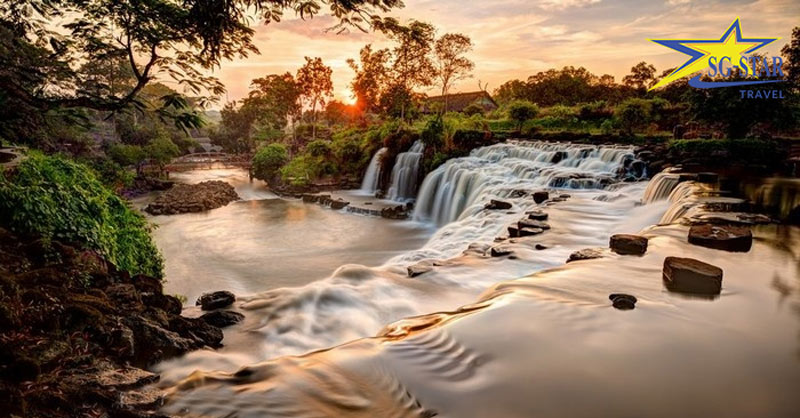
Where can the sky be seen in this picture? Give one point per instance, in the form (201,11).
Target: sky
(518,38)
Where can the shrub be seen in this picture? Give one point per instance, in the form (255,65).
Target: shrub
(299,171)
(470,139)
(318,148)
(607,126)
(268,161)
(473,109)
(521,111)
(126,155)
(433,133)
(59,199)
(633,114)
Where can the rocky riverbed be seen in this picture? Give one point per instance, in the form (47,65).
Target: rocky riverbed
(76,333)
(184,198)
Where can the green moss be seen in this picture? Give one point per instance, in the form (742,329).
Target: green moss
(59,199)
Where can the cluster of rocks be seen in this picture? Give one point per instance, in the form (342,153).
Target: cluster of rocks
(325,200)
(143,184)
(78,332)
(183,198)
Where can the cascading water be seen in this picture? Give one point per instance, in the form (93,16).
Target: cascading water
(501,170)
(370,183)
(406,173)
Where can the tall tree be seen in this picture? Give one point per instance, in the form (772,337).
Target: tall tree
(450,63)
(314,81)
(642,76)
(412,66)
(44,44)
(276,98)
(371,77)
(791,53)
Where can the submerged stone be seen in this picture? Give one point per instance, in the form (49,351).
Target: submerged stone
(628,244)
(687,275)
(529,231)
(722,237)
(222,319)
(497,205)
(419,268)
(530,223)
(537,215)
(216,300)
(500,251)
(586,254)
(623,301)
(339,204)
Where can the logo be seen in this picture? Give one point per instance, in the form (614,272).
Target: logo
(727,58)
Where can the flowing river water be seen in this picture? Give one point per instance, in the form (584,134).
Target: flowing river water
(335,327)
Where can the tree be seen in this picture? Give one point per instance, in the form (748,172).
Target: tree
(412,66)
(268,161)
(633,114)
(161,150)
(274,99)
(371,77)
(450,63)
(791,53)
(522,111)
(642,77)
(314,81)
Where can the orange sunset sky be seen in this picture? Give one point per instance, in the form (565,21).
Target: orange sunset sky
(517,38)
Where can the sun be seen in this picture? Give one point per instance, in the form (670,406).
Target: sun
(349,98)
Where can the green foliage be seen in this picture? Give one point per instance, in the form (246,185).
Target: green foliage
(304,168)
(126,155)
(749,150)
(268,161)
(319,148)
(62,200)
(161,150)
(433,133)
(473,109)
(633,114)
(521,111)
(607,126)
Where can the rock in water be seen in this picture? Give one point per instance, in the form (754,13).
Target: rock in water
(419,268)
(622,301)
(537,215)
(540,197)
(628,244)
(222,319)
(183,198)
(530,223)
(688,275)
(585,254)
(216,300)
(500,251)
(722,237)
(338,204)
(497,205)
(706,177)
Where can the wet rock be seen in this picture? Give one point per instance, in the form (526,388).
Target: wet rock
(222,319)
(585,254)
(216,300)
(497,205)
(126,378)
(513,231)
(687,275)
(530,223)
(199,332)
(146,284)
(722,237)
(124,294)
(420,268)
(537,215)
(686,177)
(622,301)
(183,198)
(540,196)
(500,251)
(628,244)
(528,231)
(396,212)
(707,177)
(338,204)
(564,196)
(540,247)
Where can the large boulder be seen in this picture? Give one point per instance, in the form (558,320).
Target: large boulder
(722,237)
(540,196)
(628,244)
(183,198)
(222,319)
(687,275)
(497,205)
(215,300)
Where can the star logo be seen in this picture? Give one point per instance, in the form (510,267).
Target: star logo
(731,45)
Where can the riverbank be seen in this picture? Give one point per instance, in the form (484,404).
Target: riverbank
(78,334)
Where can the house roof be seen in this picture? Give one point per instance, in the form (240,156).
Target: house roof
(458,101)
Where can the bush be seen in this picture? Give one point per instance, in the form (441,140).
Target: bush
(473,109)
(470,139)
(299,171)
(633,114)
(433,133)
(126,155)
(747,150)
(268,161)
(607,126)
(318,148)
(521,111)
(59,199)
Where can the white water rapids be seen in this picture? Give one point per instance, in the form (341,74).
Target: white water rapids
(546,345)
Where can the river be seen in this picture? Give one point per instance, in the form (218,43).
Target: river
(466,339)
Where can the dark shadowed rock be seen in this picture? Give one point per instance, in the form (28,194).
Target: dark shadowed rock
(687,275)
(540,196)
(530,223)
(540,247)
(222,319)
(497,205)
(537,215)
(500,251)
(529,231)
(513,231)
(706,177)
(216,300)
(722,237)
(420,268)
(585,254)
(628,244)
(338,204)
(622,301)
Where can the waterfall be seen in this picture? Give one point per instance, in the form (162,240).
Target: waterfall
(660,187)
(405,173)
(502,170)
(370,183)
